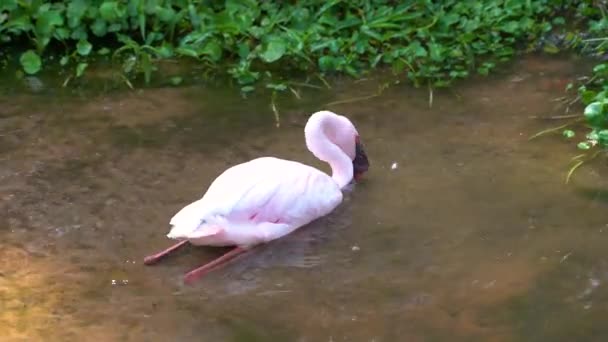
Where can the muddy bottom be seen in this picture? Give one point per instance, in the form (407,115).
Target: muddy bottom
(463,229)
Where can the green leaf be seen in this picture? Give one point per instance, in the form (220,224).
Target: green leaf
(64,60)
(417,49)
(47,21)
(243,50)
(8,5)
(61,33)
(274,50)
(109,10)
(80,68)
(186,51)
(568,133)
(165,14)
(79,33)
(165,50)
(550,48)
(510,27)
(76,10)
(436,52)
(584,145)
(483,70)
(594,114)
(277,86)
(31,62)
(593,136)
(600,68)
(587,96)
(176,80)
(103,51)
(398,66)
(327,63)
(84,47)
(603,136)
(212,49)
(99,27)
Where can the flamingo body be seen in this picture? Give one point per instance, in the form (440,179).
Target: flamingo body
(256,202)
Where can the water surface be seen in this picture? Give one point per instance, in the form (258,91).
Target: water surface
(463,229)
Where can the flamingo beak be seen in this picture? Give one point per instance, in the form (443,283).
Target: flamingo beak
(360,163)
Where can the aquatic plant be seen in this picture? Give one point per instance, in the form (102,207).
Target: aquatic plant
(587,34)
(431,43)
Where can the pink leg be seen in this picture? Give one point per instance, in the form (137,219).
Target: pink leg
(152,259)
(206,268)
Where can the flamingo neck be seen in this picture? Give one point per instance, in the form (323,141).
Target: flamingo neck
(319,131)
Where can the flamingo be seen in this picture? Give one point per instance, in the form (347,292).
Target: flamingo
(267,198)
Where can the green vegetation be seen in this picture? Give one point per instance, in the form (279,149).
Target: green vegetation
(428,43)
(587,34)
(432,43)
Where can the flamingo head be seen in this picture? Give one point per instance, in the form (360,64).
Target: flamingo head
(334,139)
(360,162)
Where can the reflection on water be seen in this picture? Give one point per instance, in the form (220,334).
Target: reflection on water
(462,231)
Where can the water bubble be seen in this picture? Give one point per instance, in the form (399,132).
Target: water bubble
(594,282)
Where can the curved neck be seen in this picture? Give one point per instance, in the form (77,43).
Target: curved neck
(320,127)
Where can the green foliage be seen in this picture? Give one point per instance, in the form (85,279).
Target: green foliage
(30,61)
(432,42)
(586,31)
(596,112)
(594,92)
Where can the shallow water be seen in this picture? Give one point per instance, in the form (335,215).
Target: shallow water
(463,230)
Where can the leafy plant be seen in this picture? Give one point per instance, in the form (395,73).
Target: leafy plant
(431,43)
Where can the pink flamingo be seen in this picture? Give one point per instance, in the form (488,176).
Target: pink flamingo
(266,198)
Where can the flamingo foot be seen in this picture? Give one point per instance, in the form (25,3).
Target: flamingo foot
(153,259)
(206,268)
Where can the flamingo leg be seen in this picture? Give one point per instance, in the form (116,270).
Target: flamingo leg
(152,259)
(208,267)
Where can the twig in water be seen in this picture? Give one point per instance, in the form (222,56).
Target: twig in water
(565,257)
(277,119)
(576,166)
(594,39)
(560,99)
(306,85)
(295,93)
(549,130)
(126,80)
(579,163)
(578,157)
(576,99)
(324,81)
(67,80)
(556,117)
(354,99)
(362,98)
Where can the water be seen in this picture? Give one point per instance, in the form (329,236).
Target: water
(463,229)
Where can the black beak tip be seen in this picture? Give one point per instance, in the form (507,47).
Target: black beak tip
(361,162)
